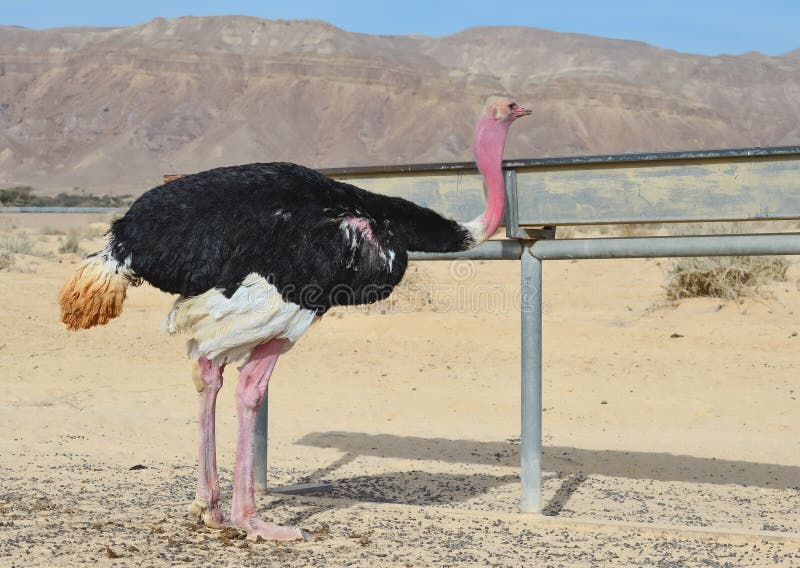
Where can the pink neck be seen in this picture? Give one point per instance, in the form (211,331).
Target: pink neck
(488,145)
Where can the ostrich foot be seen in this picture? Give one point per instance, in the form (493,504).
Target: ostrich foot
(210,515)
(255,527)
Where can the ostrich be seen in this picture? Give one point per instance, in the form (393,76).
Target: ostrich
(257,253)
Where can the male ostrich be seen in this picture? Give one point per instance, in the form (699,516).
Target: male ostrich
(257,253)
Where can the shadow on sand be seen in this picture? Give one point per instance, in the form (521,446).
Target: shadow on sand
(573,465)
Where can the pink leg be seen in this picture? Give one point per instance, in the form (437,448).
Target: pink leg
(208,380)
(250,392)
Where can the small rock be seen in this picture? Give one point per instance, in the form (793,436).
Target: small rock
(603,402)
(138,466)
(675,336)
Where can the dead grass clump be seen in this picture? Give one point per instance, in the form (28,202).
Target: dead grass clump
(728,278)
(15,245)
(16,241)
(70,244)
(6,259)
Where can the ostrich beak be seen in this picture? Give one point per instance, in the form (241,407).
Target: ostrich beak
(521,111)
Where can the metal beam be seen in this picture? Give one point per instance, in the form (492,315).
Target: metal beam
(490,250)
(531,381)
(260,446)
(724,153)
(651,247)
(260,476)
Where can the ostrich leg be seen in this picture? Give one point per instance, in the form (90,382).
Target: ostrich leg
(250,392)
(208,381)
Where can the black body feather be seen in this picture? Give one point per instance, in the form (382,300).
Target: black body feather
(284,222)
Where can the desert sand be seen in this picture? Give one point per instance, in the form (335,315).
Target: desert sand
(670,432)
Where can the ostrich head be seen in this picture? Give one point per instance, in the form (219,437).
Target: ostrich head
(503,110)
(490,134)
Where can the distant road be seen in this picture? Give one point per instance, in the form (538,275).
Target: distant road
(61,209)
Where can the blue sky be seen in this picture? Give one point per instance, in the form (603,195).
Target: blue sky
(699,26)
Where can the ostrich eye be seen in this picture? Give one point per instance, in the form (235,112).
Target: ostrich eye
(512,105)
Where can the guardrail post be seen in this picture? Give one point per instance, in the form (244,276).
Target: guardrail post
(531,379)
(260,446)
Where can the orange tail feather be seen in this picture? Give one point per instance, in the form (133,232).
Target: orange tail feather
(92,296)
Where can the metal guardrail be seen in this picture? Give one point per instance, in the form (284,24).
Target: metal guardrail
(721,153)
(629,247)
(661,187)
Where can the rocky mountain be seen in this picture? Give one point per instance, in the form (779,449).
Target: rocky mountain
(112,109)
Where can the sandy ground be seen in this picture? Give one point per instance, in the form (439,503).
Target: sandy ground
(659,450)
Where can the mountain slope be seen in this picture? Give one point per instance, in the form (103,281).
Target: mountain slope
(111,109)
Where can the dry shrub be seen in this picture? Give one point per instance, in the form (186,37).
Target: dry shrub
(71,243)
(14,245)
(16,241)
(6,259)
(729,278)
